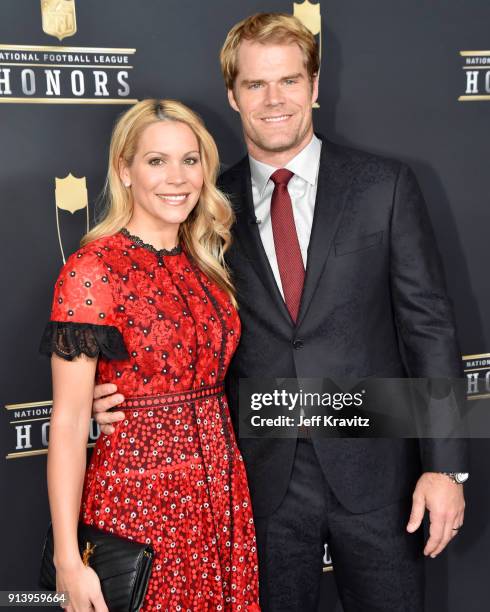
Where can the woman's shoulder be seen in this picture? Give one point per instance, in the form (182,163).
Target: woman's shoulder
(90,265)
(84,289)
(94,252)
(99,246)
(83,318)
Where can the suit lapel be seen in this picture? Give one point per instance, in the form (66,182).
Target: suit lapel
(329,205)
(247,233)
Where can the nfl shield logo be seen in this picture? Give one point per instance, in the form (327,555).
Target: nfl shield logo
(71,193)
(309,15)
(59,18)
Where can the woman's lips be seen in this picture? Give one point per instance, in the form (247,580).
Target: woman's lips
(173,198)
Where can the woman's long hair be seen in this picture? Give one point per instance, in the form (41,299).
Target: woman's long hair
(205,234)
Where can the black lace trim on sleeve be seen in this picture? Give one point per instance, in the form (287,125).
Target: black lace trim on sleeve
(68,340)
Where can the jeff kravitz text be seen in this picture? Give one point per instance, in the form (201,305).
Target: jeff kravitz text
(313,421)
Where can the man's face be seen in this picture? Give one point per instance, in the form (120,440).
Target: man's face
(274,96)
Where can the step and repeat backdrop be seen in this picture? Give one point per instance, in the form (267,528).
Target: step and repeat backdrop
(404,79)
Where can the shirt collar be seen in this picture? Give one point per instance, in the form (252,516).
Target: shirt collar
(304,164)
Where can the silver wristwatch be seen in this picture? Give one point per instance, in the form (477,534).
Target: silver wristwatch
(457,477)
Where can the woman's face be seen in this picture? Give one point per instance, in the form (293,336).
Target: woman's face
(166,175)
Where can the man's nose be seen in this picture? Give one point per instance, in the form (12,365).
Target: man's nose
(274,95)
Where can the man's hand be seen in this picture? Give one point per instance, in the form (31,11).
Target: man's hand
(105,397)
(444,500)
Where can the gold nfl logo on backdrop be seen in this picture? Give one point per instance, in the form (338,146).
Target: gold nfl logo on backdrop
(310,16)
(70,195)
(59,18)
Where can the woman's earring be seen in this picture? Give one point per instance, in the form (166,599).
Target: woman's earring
(127,184)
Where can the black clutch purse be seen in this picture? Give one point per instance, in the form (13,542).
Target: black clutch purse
(123,566)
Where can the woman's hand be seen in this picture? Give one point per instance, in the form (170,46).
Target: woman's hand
(83,587)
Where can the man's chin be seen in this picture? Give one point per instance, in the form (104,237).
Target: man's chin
(277,144)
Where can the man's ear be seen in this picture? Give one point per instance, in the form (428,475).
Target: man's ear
(232,101)
(314,88)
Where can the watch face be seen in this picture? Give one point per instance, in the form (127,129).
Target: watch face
(461,477)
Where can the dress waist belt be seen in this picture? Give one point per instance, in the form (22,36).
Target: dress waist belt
(154,401)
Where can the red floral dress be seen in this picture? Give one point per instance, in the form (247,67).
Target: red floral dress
(171,475)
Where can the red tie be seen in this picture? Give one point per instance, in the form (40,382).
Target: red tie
(288,253)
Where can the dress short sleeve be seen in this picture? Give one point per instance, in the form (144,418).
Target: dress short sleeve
(83,311)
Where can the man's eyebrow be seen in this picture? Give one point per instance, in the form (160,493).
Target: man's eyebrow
(297,75)
(249,81)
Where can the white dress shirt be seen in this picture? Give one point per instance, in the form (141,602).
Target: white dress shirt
(302,190)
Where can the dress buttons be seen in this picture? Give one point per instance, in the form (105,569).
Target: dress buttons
(298,344)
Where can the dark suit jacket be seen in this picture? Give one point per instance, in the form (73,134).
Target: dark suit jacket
(374,304)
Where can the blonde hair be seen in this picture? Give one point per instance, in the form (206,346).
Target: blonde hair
(205,234)
(276,28)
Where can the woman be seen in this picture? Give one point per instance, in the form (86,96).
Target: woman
(147,301)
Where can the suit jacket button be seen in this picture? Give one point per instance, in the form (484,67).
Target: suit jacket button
(298,344)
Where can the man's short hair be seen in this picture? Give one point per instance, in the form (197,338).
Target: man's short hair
(268,28)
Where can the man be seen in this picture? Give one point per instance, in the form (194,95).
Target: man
(337,275)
